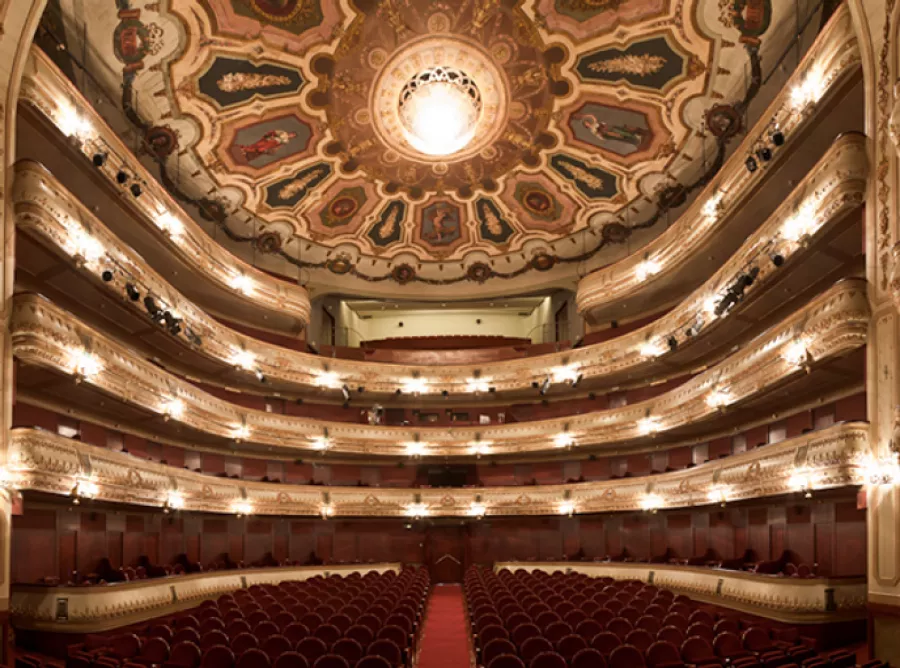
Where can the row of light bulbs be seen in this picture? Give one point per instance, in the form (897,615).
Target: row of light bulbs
(87,248)
(86,365)
(876,472)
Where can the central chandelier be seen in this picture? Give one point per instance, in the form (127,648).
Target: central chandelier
(439,110)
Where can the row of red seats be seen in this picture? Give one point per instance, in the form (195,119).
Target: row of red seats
(573,621)
(335,622)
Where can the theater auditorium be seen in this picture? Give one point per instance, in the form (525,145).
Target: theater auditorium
(450,334)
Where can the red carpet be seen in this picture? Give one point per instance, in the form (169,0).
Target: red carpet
(445,636)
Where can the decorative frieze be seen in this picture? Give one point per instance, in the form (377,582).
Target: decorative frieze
(830,458)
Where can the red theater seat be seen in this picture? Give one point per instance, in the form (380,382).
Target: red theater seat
(291,660)
(217,657)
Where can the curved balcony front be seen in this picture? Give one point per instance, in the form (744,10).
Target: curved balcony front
(827,459)
(836,187)
(828,65)
(830,326)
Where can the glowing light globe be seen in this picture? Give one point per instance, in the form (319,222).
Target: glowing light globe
(439,110)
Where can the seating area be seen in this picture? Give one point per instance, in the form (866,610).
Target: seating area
(357,621)
(542,620)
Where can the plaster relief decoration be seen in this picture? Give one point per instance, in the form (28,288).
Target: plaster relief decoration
(480,128)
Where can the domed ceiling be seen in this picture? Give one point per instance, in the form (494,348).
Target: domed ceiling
(279,125)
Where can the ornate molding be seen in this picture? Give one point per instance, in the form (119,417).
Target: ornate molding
(833,57)
(45,87)
(45,210)
(834,323)
(92,609)
(794,600)
(830,458)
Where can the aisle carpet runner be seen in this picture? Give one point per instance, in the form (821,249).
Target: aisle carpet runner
(445,636)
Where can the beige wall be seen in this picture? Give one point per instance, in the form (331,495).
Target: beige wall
(445,322)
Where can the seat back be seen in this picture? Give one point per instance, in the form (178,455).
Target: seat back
(217,657)
(626,656)
(253,658)
(291,660)
(534,646)
(331,661)
(588,658)
(185,655)
(662,653)
(548,660)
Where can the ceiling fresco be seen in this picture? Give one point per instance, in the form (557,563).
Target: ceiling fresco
(275,122)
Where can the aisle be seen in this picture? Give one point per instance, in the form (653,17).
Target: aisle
(445,636)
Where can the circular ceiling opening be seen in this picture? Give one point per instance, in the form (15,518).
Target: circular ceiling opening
(440,109)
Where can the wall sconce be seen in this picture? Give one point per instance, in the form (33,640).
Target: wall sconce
(802,480)
(564,440)
(242,508)
(712,208)
(647,268)
(567,508)
(651,502)
(719,494)
(85,365)
(327,510)
(174,501)
(84,489)
(881,471)
(243,359)
(242,283)
(415,448)
(718,399)
(240,432)
(796,353)
(416,510)
(477,510)
(169,224)
(648,425)
(173,408)
(415,386)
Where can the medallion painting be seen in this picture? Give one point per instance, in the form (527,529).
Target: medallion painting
(592,182)
(230,81)
(492,226)
(389,226)
(440,225)
(620,131)
(287,193)
(267,142)
(652,64)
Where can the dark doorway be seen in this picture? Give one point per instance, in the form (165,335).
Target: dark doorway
(445,553)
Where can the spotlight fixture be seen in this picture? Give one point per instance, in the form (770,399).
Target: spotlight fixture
(492,389)
(778,138)
(193,337)
(545,386)
(398,391)
(751,164)
(691,331)
(673,342)
(99,159)
(152,308)
(345,392)
(132,292)
(577,380)
(136,189)
(173,324)
(764,154)
(260,376)
(107,275)
(445,394)
(360,389)
(121,177)
(535,385)
(777,259)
